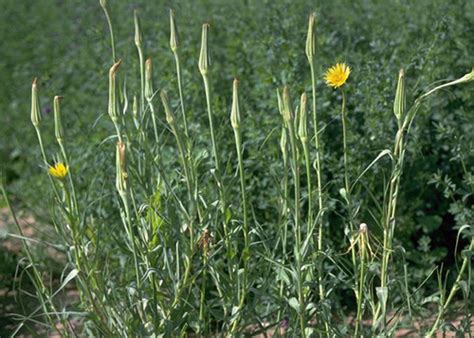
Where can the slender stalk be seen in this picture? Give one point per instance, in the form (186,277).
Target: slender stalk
(111,30)
(181,96)
(289,120)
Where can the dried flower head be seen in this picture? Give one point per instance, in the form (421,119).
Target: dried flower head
(337,75)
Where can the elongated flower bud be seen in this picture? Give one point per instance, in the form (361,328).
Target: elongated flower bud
(204,60)
(303,119)
(138,33)
(399,105)
(169,113)
(283,144)
(136,117)
(121,169)
(280,104)
(35,106)
(311,39)
(58,126)
(235,113)
(148,80)
(174,33)
(112,102)
(287,114)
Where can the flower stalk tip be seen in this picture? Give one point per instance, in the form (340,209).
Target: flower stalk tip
(235,113)
(35,106)
(148,79)
(399,105)
(174,42)
(204,60)
(58,126)
(311,38)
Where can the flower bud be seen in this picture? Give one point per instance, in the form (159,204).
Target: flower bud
(174,33)
(204,60)
(148,79)
(121,169)
(235,113)
(103,3)
(138,32)
(35,106)
(287,114)
(311,39)
(169,113)
(283,144)
(58,126)
(399,105)
(303,119)
(136,117)
(112,100)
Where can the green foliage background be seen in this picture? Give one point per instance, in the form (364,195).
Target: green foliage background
(65,44)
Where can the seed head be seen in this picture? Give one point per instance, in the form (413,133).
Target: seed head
(58,126)
(204,60)
(35,106)
(235,113)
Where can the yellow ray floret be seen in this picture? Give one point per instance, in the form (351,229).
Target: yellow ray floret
(59,170)
(337,75)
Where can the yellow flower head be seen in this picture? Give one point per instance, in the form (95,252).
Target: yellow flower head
(337,75)
(59,170)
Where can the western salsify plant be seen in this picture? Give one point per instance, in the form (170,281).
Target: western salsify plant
(189,256)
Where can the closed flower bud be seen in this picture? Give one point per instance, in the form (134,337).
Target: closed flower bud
(174,33)
(399,105)
(235,113)
(280,104)
(169,113)
(103,3)
(138,33)
(311,38)
(58,126)
(303,118)
(148,79)
(204,60)
(35,106)
(112,100)
(287,114)
(283,144)
(121,169)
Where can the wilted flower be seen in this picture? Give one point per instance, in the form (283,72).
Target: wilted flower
(59,170)
(337,75)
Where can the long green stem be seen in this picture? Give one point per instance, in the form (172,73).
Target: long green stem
(211,122)
(317,145)
(111,31)
(180,89)
(297,228)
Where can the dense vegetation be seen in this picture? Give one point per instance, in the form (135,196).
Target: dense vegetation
(241,280)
